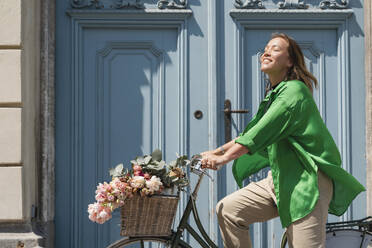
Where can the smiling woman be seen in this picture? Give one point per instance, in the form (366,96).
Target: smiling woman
(306,180)
(286,52)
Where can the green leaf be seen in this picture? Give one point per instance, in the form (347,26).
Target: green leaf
(161,164)
(140,161)
(182,161)
(157,165)
(117,171)
(147,159)
(157,155)
(173,163)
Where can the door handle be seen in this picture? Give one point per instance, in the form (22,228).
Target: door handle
(227,112)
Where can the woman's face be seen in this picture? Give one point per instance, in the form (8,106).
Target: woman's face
(275,59)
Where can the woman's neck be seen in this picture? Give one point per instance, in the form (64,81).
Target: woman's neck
(276,79)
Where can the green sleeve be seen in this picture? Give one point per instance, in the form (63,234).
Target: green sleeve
(274,125)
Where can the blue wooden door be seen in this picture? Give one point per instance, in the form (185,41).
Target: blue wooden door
(130,80)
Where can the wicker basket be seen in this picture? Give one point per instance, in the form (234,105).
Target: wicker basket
(148,216)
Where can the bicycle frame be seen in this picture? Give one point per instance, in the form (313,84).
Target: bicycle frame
(204,239)
(174,240)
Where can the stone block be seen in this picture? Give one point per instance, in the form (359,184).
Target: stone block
(10,76)
(10,135)
(10,22)
(11,193)
(25,240)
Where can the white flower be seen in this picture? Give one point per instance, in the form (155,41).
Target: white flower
(93,208)
(154,184)
(103,214)
(138,182)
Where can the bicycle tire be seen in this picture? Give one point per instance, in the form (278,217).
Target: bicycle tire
(140,240)
(284,240)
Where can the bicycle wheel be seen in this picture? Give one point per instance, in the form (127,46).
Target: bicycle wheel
(283,243)
(142,242)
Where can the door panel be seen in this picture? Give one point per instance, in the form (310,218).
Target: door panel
(124,104)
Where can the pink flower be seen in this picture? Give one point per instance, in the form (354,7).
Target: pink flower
(137,182)
(103,188)
(101,197)
(104,214)
(92,208)
(99,213)
(118,186)
(121,203)
(111,198)
(154,184)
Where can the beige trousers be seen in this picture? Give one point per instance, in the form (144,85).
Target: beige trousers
(257,203)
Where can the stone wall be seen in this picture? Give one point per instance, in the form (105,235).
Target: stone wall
(10,112)
(19,104)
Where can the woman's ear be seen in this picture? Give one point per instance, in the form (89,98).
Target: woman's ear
(289,64)
(289,71)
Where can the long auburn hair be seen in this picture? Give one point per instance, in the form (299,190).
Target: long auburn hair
(298,71)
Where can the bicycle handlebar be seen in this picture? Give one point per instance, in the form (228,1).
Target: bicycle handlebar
(196,166)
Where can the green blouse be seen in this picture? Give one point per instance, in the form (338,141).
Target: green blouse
(290,136)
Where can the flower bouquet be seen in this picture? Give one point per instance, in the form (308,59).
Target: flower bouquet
(150,175)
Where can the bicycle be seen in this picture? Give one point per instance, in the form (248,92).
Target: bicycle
(175,238)
(339,234)
(348,234)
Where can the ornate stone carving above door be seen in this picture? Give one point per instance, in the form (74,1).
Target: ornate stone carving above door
(166,4)
(81,4)
(332,4)
(249,4)
(292,4)
(126,4)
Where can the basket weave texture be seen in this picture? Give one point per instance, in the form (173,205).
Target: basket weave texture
(148,216)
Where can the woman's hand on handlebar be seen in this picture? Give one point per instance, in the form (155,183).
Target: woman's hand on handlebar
(212,161)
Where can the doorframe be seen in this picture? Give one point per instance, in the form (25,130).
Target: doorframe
(46,164)
(368,82)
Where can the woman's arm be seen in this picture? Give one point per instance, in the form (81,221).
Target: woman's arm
(220,150)
(234,151)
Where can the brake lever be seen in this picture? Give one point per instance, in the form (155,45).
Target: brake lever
(196,166)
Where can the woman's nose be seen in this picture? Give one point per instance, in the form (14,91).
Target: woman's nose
(266,53)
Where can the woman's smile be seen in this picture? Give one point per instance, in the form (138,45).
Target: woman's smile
(266,60)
